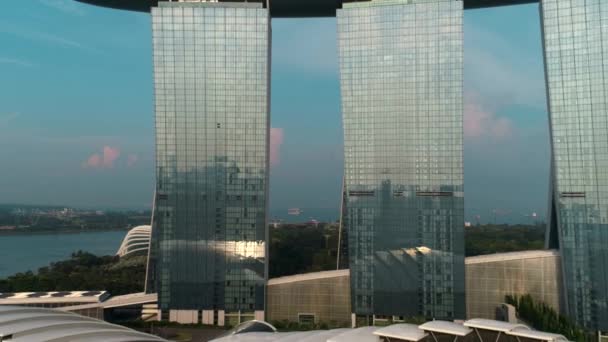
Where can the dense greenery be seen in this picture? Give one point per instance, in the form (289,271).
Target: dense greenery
(542,317)
(302,248)
(488,239)
(83,271)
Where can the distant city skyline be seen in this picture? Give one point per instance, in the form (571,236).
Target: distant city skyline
(77,111)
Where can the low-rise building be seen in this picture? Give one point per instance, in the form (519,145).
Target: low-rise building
(324,297)
(489,278)
(319,297)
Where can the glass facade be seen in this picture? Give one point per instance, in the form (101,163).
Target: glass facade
(401,69)
(211,74)
(576,61)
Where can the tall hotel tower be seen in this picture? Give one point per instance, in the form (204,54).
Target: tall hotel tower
(211,73)
(576,59)
(401,69)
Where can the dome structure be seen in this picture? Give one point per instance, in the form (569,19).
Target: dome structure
(137,241)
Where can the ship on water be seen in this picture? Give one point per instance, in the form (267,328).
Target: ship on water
(294,211)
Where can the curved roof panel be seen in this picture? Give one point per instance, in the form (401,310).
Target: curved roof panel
(445,327)
(537,335)
(293,8)
(404,331)
(36,324)
(363,334)
(136,240)
(490,324)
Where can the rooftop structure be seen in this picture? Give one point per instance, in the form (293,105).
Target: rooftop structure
(21,324)
(490,324)
(407,332)
(445,327)
(439,330)
(509,256)
(308,276)
(293,8)
(53,299)
(536,335)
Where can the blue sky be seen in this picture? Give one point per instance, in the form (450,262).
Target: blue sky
(76,118)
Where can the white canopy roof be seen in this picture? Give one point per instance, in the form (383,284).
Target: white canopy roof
(445,327)
(537,335)
(489,324)
(363,334)
(255,336)
(313,336)
(408,332)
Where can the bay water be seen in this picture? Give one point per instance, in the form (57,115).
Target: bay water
(28,252)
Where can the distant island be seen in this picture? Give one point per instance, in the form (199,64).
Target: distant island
(25,219)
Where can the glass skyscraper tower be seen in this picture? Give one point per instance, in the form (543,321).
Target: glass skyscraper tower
(211,76)
(576,59)
(401,69)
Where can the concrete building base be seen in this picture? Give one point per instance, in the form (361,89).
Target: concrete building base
(183,316)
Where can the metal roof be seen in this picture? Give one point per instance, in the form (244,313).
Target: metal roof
(252,336)
(478,259)
(61,298)
(408,332)
(309,276)
(445,327)
(489,324)
(321,336)
(536,335)
(294,336)
(21,324)
(293,8)
(363,334)
(91,295)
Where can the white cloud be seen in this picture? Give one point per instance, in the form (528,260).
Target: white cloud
(68,7)
(44,37)
(103,160)
(502,72)
(15,61)
(479,122)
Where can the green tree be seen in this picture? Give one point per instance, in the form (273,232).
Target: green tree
(83,271)
(543,317)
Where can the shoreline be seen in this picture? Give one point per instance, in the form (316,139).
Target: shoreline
(23,231)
